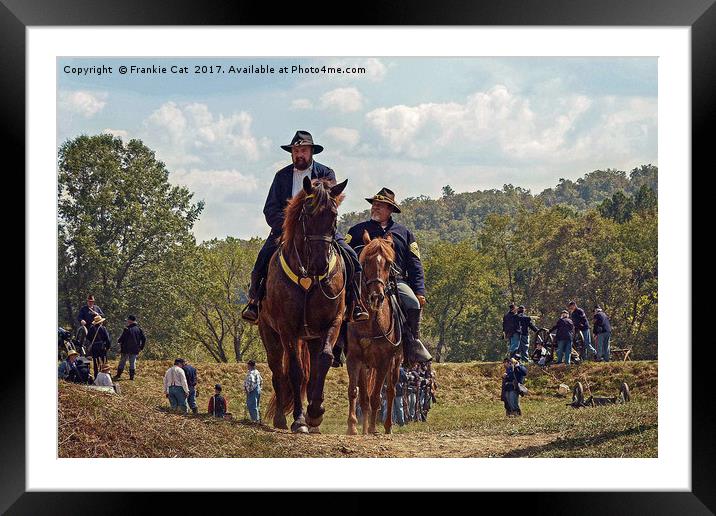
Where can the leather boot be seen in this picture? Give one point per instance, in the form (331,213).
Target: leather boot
(250,312)
(131,374)
(119,373)
(417,352)
(358,313)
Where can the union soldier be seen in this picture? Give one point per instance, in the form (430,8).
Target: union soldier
(526,325)
(131,342)
(565,335)
(286,184)
(511,329)
(89,311)
(603,333)
(581,324)
(409,268)
(98,337)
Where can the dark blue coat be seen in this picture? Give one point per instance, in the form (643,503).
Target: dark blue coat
(132,340)
(518,373)
(601,323)
(99,344)
(280,193)
(402,383)
(190,373)
(526,324)
(579,318)
(510,324)
(407,254)
(87,316)
(565,329)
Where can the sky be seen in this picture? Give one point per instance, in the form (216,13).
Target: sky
(412,124)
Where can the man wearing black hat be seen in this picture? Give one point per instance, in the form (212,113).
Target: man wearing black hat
(526,324)
(411,278)
(286,184)
(131,342)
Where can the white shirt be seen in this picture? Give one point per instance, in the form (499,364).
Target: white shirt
(103,379)
(175,376)
(298,176)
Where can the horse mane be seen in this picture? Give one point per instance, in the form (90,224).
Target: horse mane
(321,200)
(375,247)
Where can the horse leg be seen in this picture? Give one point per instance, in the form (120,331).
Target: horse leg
(295,374)
(320,367)
(380,374)
(393,375)
(313,420)
(274,356)
(353,364)
(363,396)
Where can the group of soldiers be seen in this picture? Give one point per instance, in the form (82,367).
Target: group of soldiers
(414,395)
(572,322)
(92,339)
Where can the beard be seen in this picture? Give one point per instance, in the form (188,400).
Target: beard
(300,164)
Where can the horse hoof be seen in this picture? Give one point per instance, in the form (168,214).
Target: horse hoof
(299,428)
(314,430)
(314,421)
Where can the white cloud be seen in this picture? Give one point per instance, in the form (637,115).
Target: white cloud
(301,104)
(81,102)
(504,125)
(124,135)
(345,100)
(342,136)
(191,134)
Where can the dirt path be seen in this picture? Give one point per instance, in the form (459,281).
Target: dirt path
(415,444)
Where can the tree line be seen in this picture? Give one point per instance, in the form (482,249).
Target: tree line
(125,235)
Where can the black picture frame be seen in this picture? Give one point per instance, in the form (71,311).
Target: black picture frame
(699,15)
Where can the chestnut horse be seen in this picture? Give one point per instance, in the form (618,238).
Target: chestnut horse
(374,348)
(301,316)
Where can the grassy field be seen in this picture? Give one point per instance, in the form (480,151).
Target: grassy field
(467,421)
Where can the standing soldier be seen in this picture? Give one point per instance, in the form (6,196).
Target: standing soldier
(581,324)
(526,324)
(409,268)
(98,337)
(89,311)
(131,342)
(603,333)
(511,330)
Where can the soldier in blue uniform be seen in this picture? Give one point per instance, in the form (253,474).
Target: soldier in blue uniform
(286,184)
(410,275)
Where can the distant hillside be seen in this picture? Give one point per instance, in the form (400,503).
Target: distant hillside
(456,215)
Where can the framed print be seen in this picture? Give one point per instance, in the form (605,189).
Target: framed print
(517,155)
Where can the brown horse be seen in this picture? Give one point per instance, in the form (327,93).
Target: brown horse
(303,310)
(374,350)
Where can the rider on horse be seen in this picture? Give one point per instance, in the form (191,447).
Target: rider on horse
(410,276)
(286,184)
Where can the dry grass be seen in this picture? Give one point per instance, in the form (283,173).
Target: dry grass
(467,421)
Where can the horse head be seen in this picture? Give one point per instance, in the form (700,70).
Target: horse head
(310,223)
(376,259)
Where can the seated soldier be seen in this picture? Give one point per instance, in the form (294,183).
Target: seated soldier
(410,275)
(539,355)
(286,184)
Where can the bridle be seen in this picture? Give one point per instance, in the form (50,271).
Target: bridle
(394,317)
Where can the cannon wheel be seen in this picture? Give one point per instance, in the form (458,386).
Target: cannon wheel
(545,338)
(578,394)
(624,392)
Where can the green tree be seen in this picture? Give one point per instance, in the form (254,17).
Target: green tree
(215,293)
(124,234)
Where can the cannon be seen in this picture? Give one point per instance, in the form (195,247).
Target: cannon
(578,400)
(549,342)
